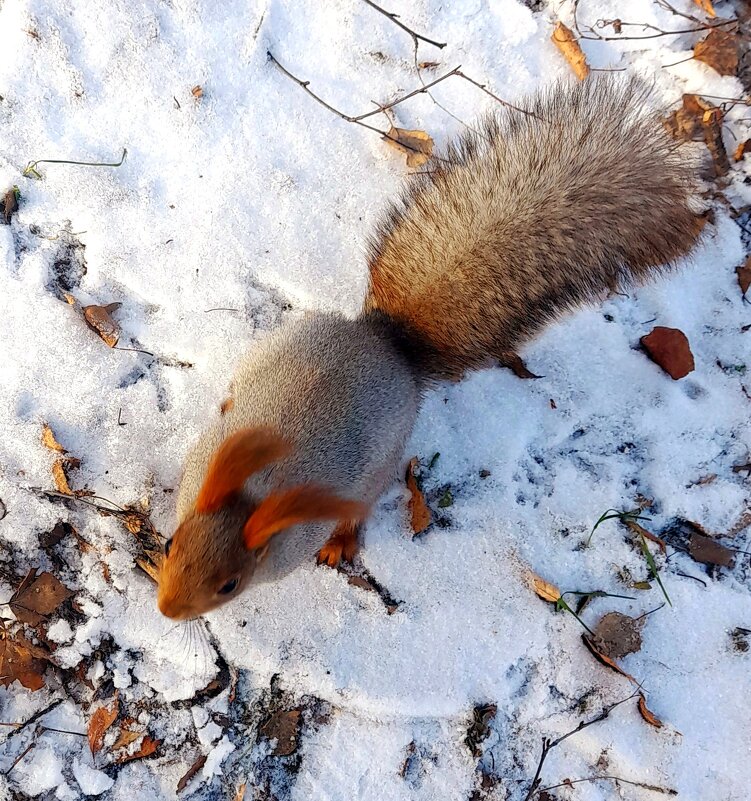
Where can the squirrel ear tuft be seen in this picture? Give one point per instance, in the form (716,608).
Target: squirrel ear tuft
(240,455)
(301,504)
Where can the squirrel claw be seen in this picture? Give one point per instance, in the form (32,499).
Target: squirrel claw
(341,546)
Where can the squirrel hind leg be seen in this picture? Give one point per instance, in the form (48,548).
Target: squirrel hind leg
(342,545)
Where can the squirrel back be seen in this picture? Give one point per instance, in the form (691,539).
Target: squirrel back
(529,216)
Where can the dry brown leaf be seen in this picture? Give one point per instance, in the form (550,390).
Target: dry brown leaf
(544,589)
(618,635)
(98,319)
(699,121)
(197,92)
(61,479)
(706,5)
(282,727)
(637,529)
(149,568)
(418,508)
(744,276)
(514,363)
(706,550)
(21,660)
(148,747)
(649,716)
(127,734)
(37,598)
(669,348)
(417,145)
(604,659)
(240,794)
(9,205)
(50,441)
(99,724)
(719,50)
(566,42)
(191,772)
(742,149)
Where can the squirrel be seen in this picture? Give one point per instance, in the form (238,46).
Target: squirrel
(524,218)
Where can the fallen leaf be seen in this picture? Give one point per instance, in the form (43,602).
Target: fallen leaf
(417,145)
(282,727)
(605,660)
(514,363)
(9,204)
(719,50)
(706,5)
(197,92)
(479,727)
(59,474)
(21,660)
(418,508)
(428,65)
(618,635)
(637,529)
(61,529)
(706,550)
(99,724)
(669,348)
(544,589)
(361,582)
(566,42)
(649,716)
(742,149)
(33,601)
(50,441)
(240,793)
(191,772)
(98,319)
(744,276)
(699,120)
(127,734)
(148,747)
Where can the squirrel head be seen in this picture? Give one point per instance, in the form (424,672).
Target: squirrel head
(213,554)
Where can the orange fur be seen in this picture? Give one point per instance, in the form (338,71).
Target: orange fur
(341,545)
(287,508)
(240,455)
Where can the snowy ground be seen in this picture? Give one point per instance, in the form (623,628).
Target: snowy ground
(251,203)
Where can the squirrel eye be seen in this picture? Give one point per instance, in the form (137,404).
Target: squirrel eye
(229,587)
(167,546)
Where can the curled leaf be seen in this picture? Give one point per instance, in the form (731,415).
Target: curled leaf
(604,658)
(50,441)
(719,50)
(148,747)
(191,772)
(649,716)
(563,38)
(744,276)
(544,589)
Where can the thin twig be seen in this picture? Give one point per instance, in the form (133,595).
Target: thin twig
(548,745)
(20,756)
(495,97)
(653,787)
(395,19)
(36,716)
(48,728)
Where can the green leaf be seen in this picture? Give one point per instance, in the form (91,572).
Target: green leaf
(653,566)
(447,499)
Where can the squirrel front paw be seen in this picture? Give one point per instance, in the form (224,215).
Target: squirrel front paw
(341,546)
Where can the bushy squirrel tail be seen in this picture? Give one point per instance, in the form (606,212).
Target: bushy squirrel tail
(527,217)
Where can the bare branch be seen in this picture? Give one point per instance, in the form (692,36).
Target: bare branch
(416,37)
(548,745)
(420,91)
(495,97)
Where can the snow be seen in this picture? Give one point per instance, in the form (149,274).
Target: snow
(254,202)
(90,780)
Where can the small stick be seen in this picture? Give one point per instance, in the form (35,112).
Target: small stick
(20,756)
(548,745)
(395,19)
(653,787)
(494,96)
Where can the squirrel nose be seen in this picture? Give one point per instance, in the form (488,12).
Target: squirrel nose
(171,608)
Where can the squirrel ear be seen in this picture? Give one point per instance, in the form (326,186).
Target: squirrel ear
(240,455)
(301,504)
